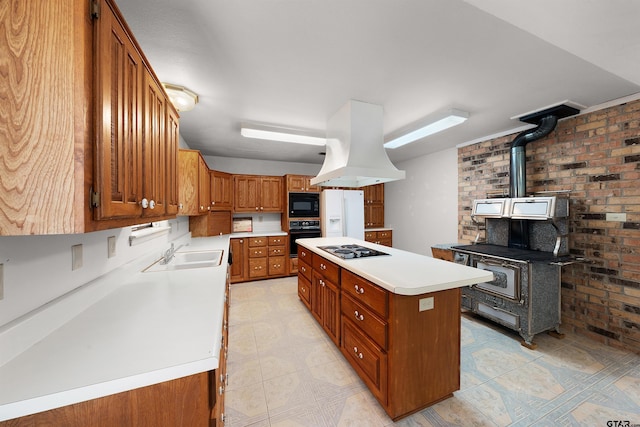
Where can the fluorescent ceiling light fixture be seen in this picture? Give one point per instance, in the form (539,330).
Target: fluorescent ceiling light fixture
(441,122)
(181,97)
(283,135)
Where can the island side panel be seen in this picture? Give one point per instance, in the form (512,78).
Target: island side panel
(424,352)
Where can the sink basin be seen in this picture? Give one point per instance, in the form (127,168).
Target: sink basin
(188,260)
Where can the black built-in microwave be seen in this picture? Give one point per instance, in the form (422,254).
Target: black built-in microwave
(304,205)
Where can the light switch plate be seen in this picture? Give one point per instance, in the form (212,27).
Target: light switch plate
(426,304)
(76,257)
(111,246)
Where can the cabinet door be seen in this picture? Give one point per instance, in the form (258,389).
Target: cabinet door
(119,70)
(271,194)
(204,183)
(153,148)
(172,146)
(221,191)
(316,296)
(373,216)
(246,193)
(296,183)
(373,194)
(188,182)
(237,268)
(331,310)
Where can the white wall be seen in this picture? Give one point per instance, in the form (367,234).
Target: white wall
(260,167)
(423,208)
(37,269)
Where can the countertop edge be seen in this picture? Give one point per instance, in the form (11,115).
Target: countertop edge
(386,283)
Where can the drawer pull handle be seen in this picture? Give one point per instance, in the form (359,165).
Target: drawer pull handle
(221,390)
(323,267)
(355,350)
(359,290)
(358,315)
(303,269)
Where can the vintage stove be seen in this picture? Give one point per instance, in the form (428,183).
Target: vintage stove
(525,245)
(351,251)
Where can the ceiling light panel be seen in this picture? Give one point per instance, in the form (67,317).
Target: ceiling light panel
(436,124)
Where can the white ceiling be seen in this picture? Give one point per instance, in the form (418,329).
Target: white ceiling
(294,63)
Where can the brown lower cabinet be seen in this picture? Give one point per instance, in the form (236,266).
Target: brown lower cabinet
(409,358)
(381,237)
(256,258)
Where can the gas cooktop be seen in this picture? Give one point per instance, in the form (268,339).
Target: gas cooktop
(351,251)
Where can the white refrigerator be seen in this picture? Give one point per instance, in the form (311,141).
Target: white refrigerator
(342,213)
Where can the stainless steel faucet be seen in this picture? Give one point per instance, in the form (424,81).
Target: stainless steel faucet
(169,254)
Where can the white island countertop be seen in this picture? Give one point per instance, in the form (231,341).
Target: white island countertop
(400,272)
(143,328)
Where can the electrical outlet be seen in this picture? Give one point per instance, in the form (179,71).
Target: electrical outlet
(111,246)
(618,217)
(76,257)
(1,281)
(426,304)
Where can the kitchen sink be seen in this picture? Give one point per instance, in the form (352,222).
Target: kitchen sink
(188,260)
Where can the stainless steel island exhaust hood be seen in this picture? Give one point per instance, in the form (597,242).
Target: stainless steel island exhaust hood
(355,154)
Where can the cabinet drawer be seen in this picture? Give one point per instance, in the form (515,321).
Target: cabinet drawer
(304,269)
(276,250)
(276,240)
(277,266)
(305,255)
(384,234)
(328,269)
(258,267)
(304,291)
(367,359)
(366,293)
(258,252)
(257,241)
(364,319)
(370,236)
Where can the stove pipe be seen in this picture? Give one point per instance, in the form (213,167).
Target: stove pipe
(517,169)
(519,229)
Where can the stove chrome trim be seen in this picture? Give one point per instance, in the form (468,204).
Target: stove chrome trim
(512,289)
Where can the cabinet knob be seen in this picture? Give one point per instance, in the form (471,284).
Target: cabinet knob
(359,290)
(144,203)
(152,204)
(358,315)
(256,208)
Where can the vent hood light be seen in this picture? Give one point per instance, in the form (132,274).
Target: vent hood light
(355,152)
(436,124)
(261,132)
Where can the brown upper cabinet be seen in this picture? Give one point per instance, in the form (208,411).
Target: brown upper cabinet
(374,206)
(255,193)
(300,184)
(86,141)
(221,191)
(194,183)
(136,149)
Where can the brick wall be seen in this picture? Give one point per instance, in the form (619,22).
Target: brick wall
(597,157)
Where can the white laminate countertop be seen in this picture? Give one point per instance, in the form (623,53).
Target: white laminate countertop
(400,272)
(147,328)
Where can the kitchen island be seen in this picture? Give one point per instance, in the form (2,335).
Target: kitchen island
(128,348)
(395,318)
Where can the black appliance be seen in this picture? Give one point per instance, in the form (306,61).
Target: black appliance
(302,230)
(351,251)
(304,205)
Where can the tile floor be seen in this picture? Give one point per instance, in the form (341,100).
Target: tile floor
(284,371)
